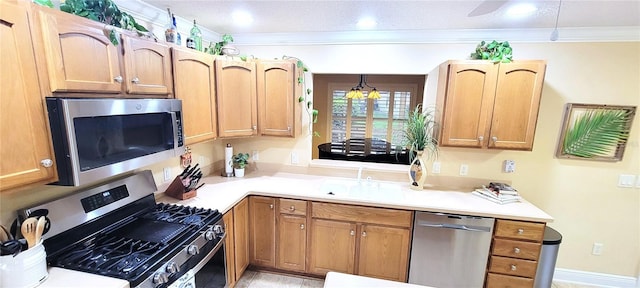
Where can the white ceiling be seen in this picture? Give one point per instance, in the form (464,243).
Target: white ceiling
(306,17)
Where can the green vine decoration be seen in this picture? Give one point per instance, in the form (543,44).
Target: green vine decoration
(313,113)
(596,132)
(494,51)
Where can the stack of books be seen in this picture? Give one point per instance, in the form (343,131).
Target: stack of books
(497,196)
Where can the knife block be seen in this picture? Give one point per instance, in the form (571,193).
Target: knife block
(177,190)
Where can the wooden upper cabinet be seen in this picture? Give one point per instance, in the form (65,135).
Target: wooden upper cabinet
(24,140)
(236,95)
(147,66)
(80,56)
(487,105)
(194,84)
(276,98)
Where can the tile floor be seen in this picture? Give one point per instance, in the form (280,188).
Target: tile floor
(253,279)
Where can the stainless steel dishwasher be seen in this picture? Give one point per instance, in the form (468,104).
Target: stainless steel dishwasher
(450,250)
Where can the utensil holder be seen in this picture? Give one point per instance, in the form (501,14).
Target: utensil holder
(177,190)
(26,270)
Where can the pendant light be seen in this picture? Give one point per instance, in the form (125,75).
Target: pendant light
(356,91)
(554,34)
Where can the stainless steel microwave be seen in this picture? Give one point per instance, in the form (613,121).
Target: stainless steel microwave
(98,138)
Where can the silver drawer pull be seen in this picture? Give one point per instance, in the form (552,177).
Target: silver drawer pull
(352,233)
(516,250)
(520,231)
(494,139)
(480,138)
(270,206)
(364,234)
(292,208)
(513,267)
(301,226)
(118,79)
(46,163)
(135,80)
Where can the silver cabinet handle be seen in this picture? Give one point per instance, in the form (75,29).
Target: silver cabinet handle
(494,139)
(292,208)
(454,226)
(480,138)
(288,128)
(301,226)
(46,163)
(516,250)
(270,206)
(352,233)
(513,267)
(135,80)
(118,79)
(520,231)
(254,127)
(364,234)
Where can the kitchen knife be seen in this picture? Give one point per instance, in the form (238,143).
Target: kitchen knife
(184,172)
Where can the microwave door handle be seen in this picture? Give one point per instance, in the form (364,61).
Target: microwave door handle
(176,127)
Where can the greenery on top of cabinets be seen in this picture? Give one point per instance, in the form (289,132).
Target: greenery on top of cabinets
(107,12)
(217,50)
(419,133)
(597,132)
(494,51)
(301,80)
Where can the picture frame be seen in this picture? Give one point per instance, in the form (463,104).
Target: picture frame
(610,124)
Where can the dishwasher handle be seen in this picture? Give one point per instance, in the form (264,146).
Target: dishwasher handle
(455,226)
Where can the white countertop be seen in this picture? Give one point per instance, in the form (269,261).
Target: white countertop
(223,193)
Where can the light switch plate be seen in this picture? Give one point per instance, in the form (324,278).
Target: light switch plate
(294,158)
(435,169)
(167,174)
(464,169)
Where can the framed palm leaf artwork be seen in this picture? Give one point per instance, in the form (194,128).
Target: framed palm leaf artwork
(595,132)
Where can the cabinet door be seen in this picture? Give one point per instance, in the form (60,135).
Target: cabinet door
(194,83)
(24,139)
(147,67)
(384,252)
(263,231)
(229,248)
(292,242)
(517,101)
(241,236)
(236,95)
(275,80)
(332,247)
(467,104)
(80,56)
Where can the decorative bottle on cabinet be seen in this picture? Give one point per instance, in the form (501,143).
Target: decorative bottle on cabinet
(178,37)
(417,172)
(196,35)
(170,32)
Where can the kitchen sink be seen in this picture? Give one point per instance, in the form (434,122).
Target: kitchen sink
(359,189)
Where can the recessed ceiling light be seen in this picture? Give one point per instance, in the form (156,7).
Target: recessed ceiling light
(366,23)
(521,10)
(242,18)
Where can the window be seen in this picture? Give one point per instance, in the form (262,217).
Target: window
(367,128)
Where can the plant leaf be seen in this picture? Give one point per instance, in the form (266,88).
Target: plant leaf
(597,133)
(113,37)
(46,3)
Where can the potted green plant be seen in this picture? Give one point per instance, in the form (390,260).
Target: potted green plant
(240,161)
(420,137)
(494,51)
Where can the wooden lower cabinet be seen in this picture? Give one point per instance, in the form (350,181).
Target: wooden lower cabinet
(229,249)
(263,231)
(241,236)
(332,247)
(505,281)
(384,245)
(292,243)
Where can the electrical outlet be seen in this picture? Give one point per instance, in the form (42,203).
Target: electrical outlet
(626,181)
(294,158)
(167,174)
(254,155)
(464,169)
(597,249)
(435,169)
(638,181)
(509,166)
(203,160)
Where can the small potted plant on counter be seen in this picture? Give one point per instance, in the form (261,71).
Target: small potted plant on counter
(240,161)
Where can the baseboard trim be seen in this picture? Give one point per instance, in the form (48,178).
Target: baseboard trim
(594,279)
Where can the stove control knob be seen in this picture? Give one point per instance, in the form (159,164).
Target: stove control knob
(209,235)
(160,278)
(172,267)
(193,250)
(218,230)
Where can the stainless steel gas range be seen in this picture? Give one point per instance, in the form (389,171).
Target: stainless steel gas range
(118,230)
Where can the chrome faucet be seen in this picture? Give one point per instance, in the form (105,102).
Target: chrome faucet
(359,174)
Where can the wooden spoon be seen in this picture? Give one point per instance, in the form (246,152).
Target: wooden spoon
(28,230)
(40,228)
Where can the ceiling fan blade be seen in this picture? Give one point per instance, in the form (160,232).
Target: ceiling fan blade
(487,7)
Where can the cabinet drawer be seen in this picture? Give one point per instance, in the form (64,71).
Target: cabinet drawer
(505,281)
(520,230)
(293,207)
(512,266)
(381,216)
(516,249)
